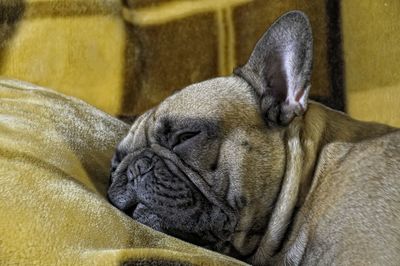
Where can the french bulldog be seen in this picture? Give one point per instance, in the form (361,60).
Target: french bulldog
(247,166)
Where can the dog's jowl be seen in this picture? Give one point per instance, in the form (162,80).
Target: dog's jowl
(247,166)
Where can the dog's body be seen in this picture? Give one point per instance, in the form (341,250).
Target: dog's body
(245,166)
(348,208)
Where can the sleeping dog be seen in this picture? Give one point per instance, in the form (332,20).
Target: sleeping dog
(246,165)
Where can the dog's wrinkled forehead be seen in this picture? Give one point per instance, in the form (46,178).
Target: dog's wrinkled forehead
(215,98)
(228,102)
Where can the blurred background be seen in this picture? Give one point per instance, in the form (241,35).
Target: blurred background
(125,56)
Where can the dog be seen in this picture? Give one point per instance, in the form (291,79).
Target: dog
(247,166)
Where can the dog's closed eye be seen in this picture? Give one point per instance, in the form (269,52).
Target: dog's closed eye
(183,137)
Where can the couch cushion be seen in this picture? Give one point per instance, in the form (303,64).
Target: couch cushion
(54,160)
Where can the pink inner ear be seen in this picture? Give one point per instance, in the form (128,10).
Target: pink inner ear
(299,94)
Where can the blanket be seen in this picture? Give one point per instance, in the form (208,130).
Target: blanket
(54,162)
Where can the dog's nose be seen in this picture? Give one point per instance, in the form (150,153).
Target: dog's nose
(140,167)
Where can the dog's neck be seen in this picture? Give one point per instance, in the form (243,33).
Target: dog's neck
(322,126)
(306,139)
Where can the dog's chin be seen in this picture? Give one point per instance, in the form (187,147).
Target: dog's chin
(145,216)
(207,238)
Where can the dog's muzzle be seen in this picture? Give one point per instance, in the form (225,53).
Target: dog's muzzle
(158,189)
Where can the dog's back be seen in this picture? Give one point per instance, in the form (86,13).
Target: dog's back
(353,210)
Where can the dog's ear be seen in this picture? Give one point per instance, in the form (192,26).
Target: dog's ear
(279,68)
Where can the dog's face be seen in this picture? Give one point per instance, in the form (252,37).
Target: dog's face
(207,163)
(200,161)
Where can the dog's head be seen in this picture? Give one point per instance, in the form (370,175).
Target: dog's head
(206,164)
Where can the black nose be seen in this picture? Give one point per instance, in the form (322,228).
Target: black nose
(141,166)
